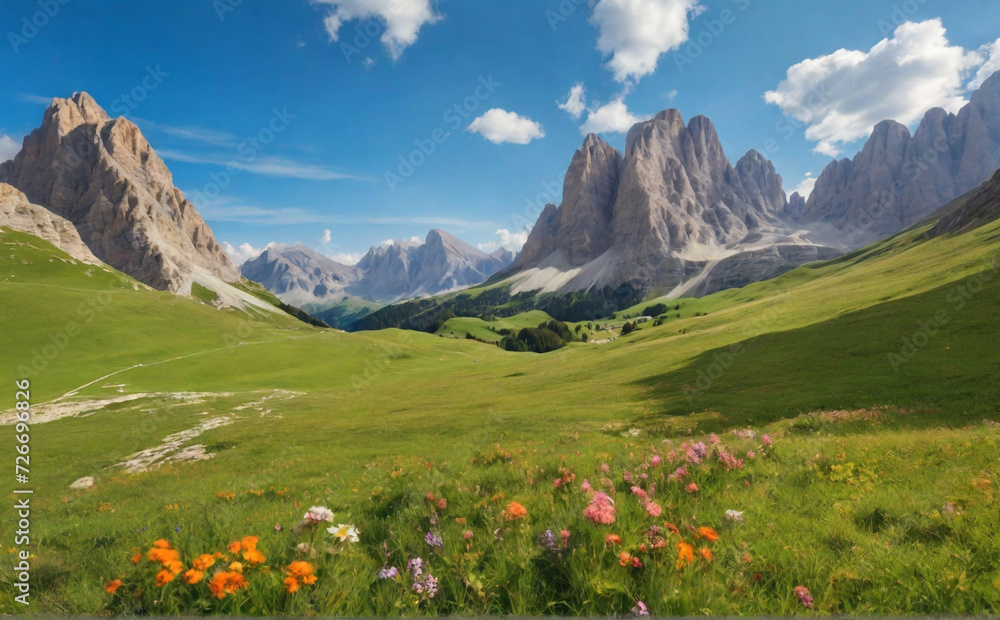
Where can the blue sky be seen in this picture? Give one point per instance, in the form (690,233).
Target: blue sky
(333,118)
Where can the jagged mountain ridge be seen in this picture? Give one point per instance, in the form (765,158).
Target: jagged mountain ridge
(662,216)
(102,175)
(898,179)
(387,273)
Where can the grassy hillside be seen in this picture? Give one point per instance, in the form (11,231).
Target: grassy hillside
(489,330)
(875,488)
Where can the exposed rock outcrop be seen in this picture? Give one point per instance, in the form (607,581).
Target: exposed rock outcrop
(19,214)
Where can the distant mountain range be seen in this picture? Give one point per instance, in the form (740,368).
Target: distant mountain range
(669,216)
(389,272)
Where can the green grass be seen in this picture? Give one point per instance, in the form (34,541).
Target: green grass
(201,293)
(460,326)
(885,504)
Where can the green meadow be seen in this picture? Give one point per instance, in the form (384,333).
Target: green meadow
(874,378)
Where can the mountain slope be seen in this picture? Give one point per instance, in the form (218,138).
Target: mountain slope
(898,179)
(300,276)
(969,212)
(104,177)
(19,214)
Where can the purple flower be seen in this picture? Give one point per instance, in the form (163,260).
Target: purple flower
(426,587)
(415,566)
(433,540)
(548,541)
(388,573)
(640,609)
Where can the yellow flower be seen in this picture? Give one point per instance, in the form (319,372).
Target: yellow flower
(236,567)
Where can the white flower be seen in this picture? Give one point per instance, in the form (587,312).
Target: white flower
(344,533)
(735,515)
(319,514)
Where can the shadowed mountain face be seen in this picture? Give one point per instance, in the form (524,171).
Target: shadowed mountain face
(970,211)
(102,175)
(898,179)
(387,273)
(662,216)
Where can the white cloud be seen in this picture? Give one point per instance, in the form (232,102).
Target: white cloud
(506,239)
(612,117)
(991,64)
(266,165)
(8,148)
(636,32)
(671,95)
(368,62)
(243,253)
(401,20)
(842,96)
(327,236)
(347,259)
(576,101)
(499,126)
(806,186)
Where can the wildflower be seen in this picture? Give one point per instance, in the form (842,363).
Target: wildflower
(730,461)
(291,585)
(318,514)
(713,439)
(564,535)
(804,597)
(193,576)
(236,567)
(254,557)
(548,541)
(298,574)
(678,473)
(442,503)
(653,509)
(627,476)
(137,558)
(735,516)
(672,528)
(249,542)
(346,533)
(751,454)
(112,586)
(691,488)
(624,558)
(164,577)
(426,587)
(203,562)
(303,548)
(514,511)
(416,567)
(706,554)
(601,509)
(234,547)
(460,520)
(162,544)
(277,527)
(640,609)
(766,439)
(655,462)
(468,534)
(226,583)
(605,468)
(685,554)
(708,534)
(612,539)
(388,573)
(585,487)
(638,491)
(433,540)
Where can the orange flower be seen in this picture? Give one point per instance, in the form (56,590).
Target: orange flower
(226,583)
(299,573)
(685,554)
(254,557)
(706,553)
(193,576)
(300,569)
(236,567)
(162,543)
(460,520)
(203,562)
(672,528)
(234,547)
(249,543)
(163,556)
(291,585)
(174,567)
(612,539)
(514,511)
(137,558)
(164,577)
(708,534)
(112,586)
(624,559)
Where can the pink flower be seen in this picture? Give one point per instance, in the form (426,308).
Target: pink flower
(565,537)
(468,534)
(639,492)
(679,473)
(692,488)
(605,468)
(653,509)
(627,476)
(766,439)
(751,455)
(601,509)
(713,439)
(803,595)
(585,487)
(655,461)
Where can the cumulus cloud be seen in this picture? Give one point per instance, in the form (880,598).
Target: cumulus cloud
(327,236)
(806,186)
(613,117)
(401,20)
(346,259)
(513,241)
(576,101)
(991,64)
(499,126)
(8,148)
(840,97)
(244,252)
(636,32)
